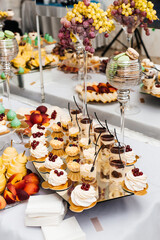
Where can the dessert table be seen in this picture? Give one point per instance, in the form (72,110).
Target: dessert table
(133,217)
(59,89)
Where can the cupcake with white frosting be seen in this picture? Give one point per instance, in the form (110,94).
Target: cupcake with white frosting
(53,162)
(39,136)
(129,156)
(135,180)
(57,177)
(83,195)
(38,149)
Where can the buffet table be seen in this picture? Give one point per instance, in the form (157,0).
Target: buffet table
(126,218)
(59,88)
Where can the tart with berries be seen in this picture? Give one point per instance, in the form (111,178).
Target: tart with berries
(72,150)
(102,92)
(135,182)
(52,162)
(74,165)
(82,197)
(56,127)
(57,143)
(57,180)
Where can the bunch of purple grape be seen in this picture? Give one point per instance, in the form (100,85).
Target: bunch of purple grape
(85,31)
(131,17)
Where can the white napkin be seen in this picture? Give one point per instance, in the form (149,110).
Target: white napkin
(45,210)
(44,205)
(69,229)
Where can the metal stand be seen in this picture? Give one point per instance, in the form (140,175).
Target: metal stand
(138,40)
(40,61)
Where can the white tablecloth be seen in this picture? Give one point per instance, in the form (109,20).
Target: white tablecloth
(126,218)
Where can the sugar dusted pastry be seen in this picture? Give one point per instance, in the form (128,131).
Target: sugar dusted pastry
(83,195)
(38,149)
(57,177)
(38,128)
(57,143)
(72,150)
(156,89)
(56,127)
(135,180)
(53,162)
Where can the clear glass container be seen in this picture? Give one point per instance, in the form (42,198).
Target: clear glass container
(85,171)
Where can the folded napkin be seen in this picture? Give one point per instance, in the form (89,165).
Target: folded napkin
(69,229)
(44,210)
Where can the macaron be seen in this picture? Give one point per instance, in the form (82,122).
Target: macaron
(9,34)
(123,61)
(21,70)
(132,54)
(1,35)
(118,56)
(3,76)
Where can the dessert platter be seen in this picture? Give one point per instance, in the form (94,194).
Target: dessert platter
(76,157)
(98,92)
(151,78)
(80,159)
(28,56)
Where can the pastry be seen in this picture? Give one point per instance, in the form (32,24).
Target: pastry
(156,89)
(135,180)
(15,123)
(53,162)
(8,34)
(38,128)
(129,156)
(72,149)
(3,182)
(132,53)
(38,149)
(83,195)
(57,177)
(57,143)
(87,176)
(56,127)
(146,63)
(73,166)
(102,92)
(32,35)
(11,115)
(3,129)
(107,142)
(9,154)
